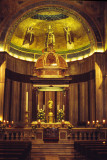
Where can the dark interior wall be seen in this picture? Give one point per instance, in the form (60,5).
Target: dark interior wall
(19,66)
(80,96)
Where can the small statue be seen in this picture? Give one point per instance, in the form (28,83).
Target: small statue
(50,104)
(50,114)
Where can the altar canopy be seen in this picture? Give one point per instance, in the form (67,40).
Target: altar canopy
(50,65)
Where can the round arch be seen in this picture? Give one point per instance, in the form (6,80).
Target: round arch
(30,10)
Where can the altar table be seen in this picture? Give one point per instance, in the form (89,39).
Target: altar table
(51,125)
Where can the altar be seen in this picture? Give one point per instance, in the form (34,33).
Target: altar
(39,124)
(46,127)
(50,131)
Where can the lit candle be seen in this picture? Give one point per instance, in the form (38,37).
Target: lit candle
(38,107)
(43,107)
(93,122)
(7,122)
(58,107)
(39,121)
(63,107)
(104,142)
(63,122)
(26,101)
(97,121)
(12,122)
(104,121)
(4,122)
(88,122)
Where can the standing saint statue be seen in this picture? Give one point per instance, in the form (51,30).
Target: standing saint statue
(68,34)
(68,37)
(29,36)
(50,38)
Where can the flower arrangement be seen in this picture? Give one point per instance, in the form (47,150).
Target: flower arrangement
(70,126)
(41,115)
(98,126)
(60,115)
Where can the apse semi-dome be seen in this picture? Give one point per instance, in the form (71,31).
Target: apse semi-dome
(50,65)
(73,37)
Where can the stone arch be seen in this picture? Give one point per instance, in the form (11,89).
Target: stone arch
(9,28)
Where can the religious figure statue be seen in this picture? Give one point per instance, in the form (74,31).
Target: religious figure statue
(50,114)
(29,36)
(50,38)
(68,34)
(68,37)
(50,104)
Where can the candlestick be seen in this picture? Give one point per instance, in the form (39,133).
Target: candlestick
(26,119)
(43,107)
(26,101)
(63,107)
(12,123)
(58,107)
(63,122)
(38,123)
(38,107)
(7,123)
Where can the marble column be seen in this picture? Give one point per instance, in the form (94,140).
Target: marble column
(99,64)
(2,86)
(73,103)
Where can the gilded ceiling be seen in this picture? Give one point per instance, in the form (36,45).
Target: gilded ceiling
(72,35)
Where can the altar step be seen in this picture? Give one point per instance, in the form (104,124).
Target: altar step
(41,151)
(60,149)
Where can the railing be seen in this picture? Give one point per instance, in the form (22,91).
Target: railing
(87,134)
(16,134)
(64,134)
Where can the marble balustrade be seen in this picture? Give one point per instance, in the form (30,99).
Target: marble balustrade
(64,134)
